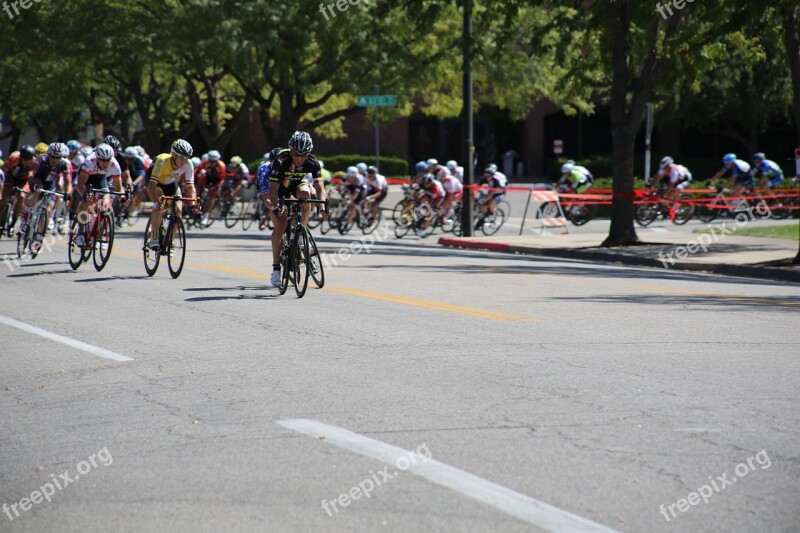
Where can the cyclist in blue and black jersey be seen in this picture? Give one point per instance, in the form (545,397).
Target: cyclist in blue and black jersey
(767,172)
(738,172)
(288,178)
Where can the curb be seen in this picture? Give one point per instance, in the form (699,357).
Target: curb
(746,271)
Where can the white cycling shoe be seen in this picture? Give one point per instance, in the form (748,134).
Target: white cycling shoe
(275,278)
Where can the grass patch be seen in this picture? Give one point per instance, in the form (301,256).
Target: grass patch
(788,231)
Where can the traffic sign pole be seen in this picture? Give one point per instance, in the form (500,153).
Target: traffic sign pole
(377,132)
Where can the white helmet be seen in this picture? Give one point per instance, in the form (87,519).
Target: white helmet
(214,156)
(452,165)
(431,162)
(195,161)
(567,167)
(204,158)
(352,171)
(362,167)
(321,164)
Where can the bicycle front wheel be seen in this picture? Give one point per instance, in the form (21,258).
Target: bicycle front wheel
(645,214)
(249,212)
(151,257)
(493,223)
(39,232)
(104,241)
(286,265)
(176,249)
(74,252)
(302,261)
(231,214)
(317,269)
(683,211)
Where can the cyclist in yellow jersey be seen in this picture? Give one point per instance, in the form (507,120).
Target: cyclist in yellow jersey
(164,176)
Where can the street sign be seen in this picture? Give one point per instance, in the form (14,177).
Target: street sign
(378,100)
(558,146)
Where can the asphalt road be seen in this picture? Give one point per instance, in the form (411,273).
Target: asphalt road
(536,393)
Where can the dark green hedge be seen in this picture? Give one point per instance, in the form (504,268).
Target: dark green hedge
(391,165)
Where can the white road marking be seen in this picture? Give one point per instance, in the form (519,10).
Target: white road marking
(102,352)
(518,505)
(659,230)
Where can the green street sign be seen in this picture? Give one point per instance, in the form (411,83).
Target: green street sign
(378,100)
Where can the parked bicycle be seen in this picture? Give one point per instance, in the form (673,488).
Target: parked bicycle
(300,257)
(171,239)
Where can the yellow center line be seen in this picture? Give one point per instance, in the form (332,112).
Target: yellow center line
(385,297)
(430,304)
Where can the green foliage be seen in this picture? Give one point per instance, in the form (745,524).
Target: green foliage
(391,165)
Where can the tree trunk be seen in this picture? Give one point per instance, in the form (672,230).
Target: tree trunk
(792,40)
(622,231)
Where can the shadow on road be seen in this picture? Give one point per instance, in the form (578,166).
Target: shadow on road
(143,276)
(238,288)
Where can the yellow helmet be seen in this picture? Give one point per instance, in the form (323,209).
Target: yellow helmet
(236,160)
(41,148)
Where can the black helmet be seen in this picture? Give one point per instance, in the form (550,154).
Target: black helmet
(26,152)
(372,169)
(112,141)
(274,152)
(300,143)
(182,148)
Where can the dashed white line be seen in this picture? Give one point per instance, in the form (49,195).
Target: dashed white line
(74,343)
(513,503)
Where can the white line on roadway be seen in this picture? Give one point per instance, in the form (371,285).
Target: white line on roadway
(518,505)
(102,352)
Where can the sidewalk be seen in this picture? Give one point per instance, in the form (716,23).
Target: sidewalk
(725,254)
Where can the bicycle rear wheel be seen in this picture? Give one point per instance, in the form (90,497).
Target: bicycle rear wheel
(5,218)
(316,263)
(176,247)
(493,223)
(151,257)
(104,241)
(315,219)
(74,252)
(301,261)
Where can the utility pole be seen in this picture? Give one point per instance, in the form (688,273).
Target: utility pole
(467,223)
(377,133)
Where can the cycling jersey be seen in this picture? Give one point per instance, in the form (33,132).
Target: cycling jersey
(163,173)
(452,185)
(262,177)
(51,175)
(458,172)
(289,177)
(771,170)
(136,167)
(76,162)
(15,170)
(437,193)
(578,180)
(98,178)
(585,172)
(2,178)
(378,184)
(676,173)
(739,170)
(210,174)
